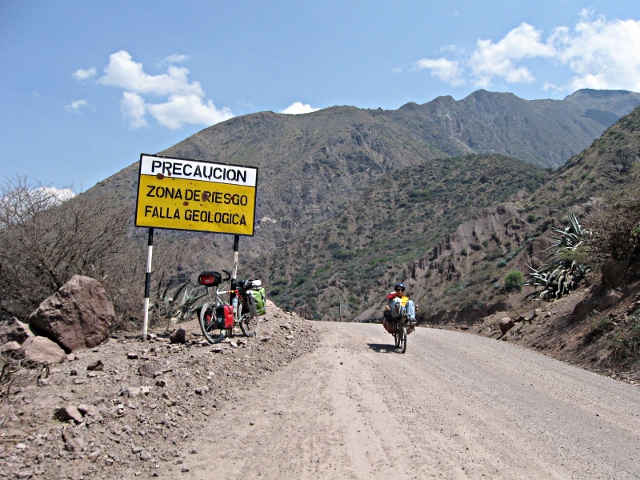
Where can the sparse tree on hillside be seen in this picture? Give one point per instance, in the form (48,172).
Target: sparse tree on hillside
(616,227)
(45,241)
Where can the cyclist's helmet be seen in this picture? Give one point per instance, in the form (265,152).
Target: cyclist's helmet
(399,285)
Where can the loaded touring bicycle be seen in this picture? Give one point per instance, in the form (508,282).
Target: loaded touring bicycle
(245,306)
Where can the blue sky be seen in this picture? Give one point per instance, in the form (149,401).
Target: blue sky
(86,86)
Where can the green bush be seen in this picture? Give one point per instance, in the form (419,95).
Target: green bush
(513,280)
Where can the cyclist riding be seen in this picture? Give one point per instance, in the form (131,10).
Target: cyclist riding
(399,317)
(400,305)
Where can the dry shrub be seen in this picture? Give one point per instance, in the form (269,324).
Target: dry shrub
(46,241)
(615,227)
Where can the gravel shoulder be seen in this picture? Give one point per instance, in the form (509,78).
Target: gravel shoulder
(127,408)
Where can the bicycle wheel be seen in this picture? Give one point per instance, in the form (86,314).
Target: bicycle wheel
(209,324)
(396,337)
(402,335)
(248,324)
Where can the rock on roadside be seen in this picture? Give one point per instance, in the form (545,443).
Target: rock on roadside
(78,315)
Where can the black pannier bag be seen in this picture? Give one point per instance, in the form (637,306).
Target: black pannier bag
(210,279)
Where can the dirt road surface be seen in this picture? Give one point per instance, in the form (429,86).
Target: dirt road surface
(454,406)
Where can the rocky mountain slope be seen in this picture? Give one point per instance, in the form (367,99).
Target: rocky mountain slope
(543,132)
(349,261)
(351,200)
(311,166)
(451,242)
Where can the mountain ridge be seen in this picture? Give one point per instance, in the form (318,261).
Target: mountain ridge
(313,167)
(316,162)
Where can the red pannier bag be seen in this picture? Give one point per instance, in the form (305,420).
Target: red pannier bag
(225,316)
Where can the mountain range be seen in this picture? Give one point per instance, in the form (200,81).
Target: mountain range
(352,200)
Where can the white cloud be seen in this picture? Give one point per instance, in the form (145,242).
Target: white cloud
(81,74)
(133,109)
(599,53)
(176,58)
(123,72)
(602,54)
(181,109)
(298,108)
(499,59)
(53,195)
(76,106)
(185,101)
(446,70)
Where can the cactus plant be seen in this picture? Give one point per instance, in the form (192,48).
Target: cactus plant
(562,274)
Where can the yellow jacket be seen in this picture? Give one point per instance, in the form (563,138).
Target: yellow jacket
(403,298)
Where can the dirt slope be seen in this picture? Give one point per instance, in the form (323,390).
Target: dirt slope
(603,341)
(128,424)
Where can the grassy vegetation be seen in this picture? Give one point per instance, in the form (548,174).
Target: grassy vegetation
(400,218)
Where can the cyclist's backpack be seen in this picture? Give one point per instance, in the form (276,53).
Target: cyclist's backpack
(391,327)
(257,302)
(224,315)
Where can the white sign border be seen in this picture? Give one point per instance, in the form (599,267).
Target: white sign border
(198,170)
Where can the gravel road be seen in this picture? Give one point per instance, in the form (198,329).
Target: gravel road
(454,406)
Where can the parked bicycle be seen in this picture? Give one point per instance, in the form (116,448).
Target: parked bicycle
(219,318)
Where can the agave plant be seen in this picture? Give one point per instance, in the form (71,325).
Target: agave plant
(179,305)
(565,268)
(570,239)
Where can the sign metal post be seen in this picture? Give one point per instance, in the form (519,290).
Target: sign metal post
(147,286)
(194,195)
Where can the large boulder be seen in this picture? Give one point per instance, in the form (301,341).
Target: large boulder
(79,315)
(14,331)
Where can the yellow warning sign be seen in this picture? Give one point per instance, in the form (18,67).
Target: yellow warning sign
(196,195)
